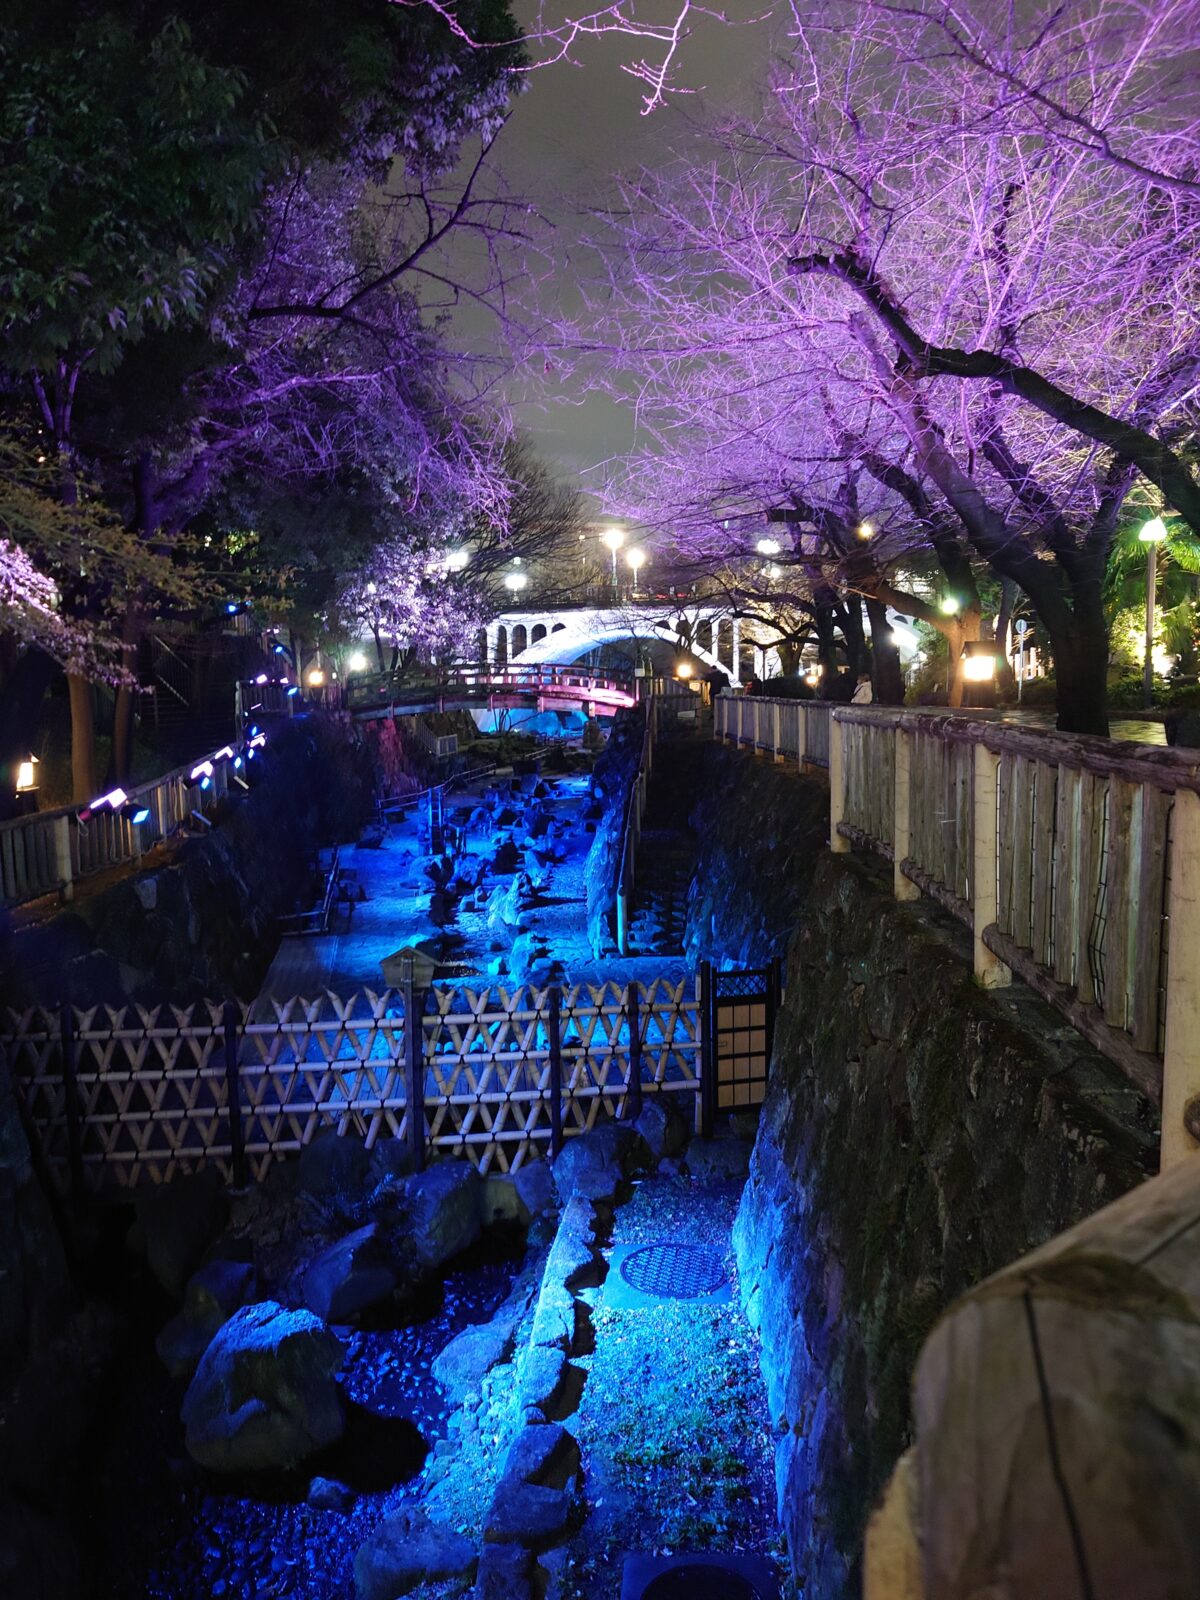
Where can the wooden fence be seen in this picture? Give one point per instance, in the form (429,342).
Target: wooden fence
(795,729)
(631,827)
(134,1096)
(1074,861)
(46,852)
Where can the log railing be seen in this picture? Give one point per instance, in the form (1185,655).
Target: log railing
(1075,862)
(796,730)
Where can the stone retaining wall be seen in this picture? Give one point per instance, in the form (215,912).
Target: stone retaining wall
(918,1134)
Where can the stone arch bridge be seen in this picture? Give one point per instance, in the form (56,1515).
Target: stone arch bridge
(564,633)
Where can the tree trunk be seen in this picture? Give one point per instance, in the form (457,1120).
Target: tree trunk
(1006,681)
(121,762)
(887,678)
(1081,674)
(83,739)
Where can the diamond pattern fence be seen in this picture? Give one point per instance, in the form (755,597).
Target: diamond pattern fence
(134,1095)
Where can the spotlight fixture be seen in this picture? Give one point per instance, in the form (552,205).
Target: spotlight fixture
(135,813)
(979,661)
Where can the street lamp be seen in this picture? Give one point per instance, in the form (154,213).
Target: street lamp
(950,606)
(457,560)
(514,582)
(768,547)
(614,538)
(865,530)
(1151,534)
(636,559)
(979,661)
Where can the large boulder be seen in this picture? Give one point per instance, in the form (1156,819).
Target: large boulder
(444,1205)
(407,1550)
(331,1165)
(264,1394)
(534,1183)
(212,1295)
(662,1127)
(176,1222)
(593,1165)
(350,1276)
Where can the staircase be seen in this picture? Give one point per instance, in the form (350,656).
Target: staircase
(666,855)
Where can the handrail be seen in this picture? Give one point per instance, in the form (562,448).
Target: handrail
(1073,860)
(47,851)
(631,827)
(479,680)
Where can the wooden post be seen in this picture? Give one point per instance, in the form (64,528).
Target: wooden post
(990,971)
(801,736)
(554,1032)
(62,857)
(837,788)
(708,1060)
(1181,1046)
(71,1099)
(777,720)
(233,1096)
(902,886)
(414,1071)
(633,1093)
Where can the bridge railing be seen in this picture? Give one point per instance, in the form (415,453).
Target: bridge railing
(480,681)
(1075,863)
(786,729)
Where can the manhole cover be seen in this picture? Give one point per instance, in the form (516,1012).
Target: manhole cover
(673,1271)
(700,1580)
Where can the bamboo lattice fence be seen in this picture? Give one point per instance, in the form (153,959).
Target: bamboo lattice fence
(122,1097)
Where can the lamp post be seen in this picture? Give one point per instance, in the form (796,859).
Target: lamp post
(636,559)
(614,538)
(1151,534)
(514,582)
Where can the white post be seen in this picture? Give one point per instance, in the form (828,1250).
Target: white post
(1181,1047)
(62,856)
(801,735)
(903,887)
(990,971)
(737,651)
(777,729)
(837,789)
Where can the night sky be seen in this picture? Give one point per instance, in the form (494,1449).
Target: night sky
(570,132)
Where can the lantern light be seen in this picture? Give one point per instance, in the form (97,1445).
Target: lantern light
(979,661)
(684,670)
(865,530)
(1153,532)
(357,662)
(26,778)
(316,677)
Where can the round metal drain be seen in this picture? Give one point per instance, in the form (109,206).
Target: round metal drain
(673,1271)
(700,1580)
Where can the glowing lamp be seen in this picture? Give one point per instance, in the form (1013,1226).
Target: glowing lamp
(514,582)
(136,814)
(1153,532)
(950,605)
(457,559)
(114,799)
(262,678)
(614,538)
(812,679)
(768,547)
(865,530)
(26,777)
(204,770)
(979,661)
(357,662)
(636,559)
(223,754)
(206,783)
(316,677)
(281,649)
(293,689)
(684,670)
